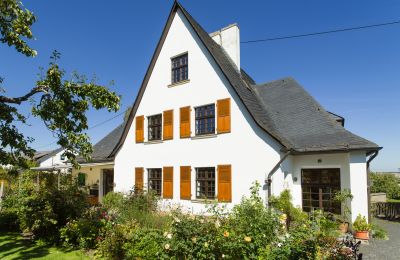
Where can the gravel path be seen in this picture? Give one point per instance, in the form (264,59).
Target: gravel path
(384,249)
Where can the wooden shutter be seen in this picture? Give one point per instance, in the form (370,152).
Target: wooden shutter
(185,122)
(168,127)
(224,183)
(224,115)
(139,129)
(185,183)
(139,178)
(168,186)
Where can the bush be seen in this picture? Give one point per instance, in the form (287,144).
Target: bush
(43,209)
(8,220)
(146,244)
(387,183)
(361,224)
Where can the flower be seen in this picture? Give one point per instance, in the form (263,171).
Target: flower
(169,236)
(167,246)
(165,233)
(194,239)
(205,244)
(223,256)
(177,220)
(217,224)
(247,239)
(226,233)
(279,244)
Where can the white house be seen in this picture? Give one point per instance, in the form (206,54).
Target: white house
(202,129)
(51,160)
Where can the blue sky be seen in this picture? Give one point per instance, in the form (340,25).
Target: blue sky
(355,74)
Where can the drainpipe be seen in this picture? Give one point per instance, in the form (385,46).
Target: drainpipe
(369,184)
(268,180)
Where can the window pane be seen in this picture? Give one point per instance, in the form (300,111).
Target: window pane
(205,183)
(154,127)
(155,180)
(205,119)
(179,68)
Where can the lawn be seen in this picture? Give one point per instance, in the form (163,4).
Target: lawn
(13,246)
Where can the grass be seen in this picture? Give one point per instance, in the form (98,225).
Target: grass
(393,200)
(13,246)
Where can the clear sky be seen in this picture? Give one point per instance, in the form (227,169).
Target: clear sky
(354,74)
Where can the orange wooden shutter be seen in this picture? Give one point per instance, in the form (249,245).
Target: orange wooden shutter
(168,186)
(139,178)
(224,183)
(185,122)
(224,115)
(139,129)
(185,183)
(168,128)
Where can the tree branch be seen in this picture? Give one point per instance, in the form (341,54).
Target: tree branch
(19,100)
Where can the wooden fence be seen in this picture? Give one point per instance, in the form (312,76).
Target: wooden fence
(388,210)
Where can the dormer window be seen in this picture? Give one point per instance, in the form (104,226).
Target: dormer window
(180,69)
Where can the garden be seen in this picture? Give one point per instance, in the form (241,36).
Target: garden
(132,226)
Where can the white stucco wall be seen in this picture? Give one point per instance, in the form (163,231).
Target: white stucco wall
(250,151)
(54,160)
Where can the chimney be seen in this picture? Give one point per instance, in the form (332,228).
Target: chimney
(229,38)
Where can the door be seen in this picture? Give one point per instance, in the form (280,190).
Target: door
(318,189)
(108,181)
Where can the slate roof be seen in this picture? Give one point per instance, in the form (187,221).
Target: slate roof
(282,108)
(102,149)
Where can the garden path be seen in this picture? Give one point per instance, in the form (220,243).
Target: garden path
(384,249)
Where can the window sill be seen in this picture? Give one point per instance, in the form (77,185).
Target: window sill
(203,136)
(179,83)
(204,201)
(153,142)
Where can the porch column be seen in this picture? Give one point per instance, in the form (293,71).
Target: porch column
(358,184)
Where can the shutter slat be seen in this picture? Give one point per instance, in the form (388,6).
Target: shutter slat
(139,129)
(185,187)
(168,187)
(224,115)
(168,127)
(185,122)
(139,178)
(224,183)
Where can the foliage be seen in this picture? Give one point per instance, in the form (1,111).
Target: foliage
(291,215)
(344,197)
(146,244)
(8,219)
(42,208)
(86,231)
(62,103)
(361,224)
(387,183)
(378,232)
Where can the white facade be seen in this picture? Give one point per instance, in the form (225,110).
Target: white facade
(55,160)
(250,151)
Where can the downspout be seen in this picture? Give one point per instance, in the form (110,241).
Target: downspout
(369,184)
(268,180)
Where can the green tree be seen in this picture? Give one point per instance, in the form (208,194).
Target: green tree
(387,183)
(63,102)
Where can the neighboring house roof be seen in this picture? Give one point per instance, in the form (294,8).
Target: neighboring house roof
(285,118)
(103,148)
(43,156)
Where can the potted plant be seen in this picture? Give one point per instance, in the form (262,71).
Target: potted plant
(361,227)
(343,197)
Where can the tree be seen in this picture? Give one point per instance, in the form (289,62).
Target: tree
(387,183)
(62,104)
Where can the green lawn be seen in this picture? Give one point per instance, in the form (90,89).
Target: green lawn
(13,246)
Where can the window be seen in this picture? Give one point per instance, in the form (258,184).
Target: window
(205,183)
(179,68)
(62,157)
(318,189)
(205,119)
(155,127)
(155,180)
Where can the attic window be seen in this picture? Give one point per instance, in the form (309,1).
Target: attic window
(180,69)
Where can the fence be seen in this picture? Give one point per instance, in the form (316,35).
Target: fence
(388,210)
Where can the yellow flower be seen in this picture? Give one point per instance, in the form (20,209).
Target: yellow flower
(206,244)
(194,239)
(226,233)
(247,239)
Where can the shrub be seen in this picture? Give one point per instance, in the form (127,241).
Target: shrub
(146,244)
(387,183)
(361,224)
(8,220)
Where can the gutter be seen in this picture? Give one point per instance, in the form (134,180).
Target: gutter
(369,183)
(268,180)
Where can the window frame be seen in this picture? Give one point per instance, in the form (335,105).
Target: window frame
(206,181)
(196,119)
(179,68)
(151,125)
(157,179)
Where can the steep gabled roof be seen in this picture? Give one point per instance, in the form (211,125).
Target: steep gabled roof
(255,99)
(43,156)
(103,148)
